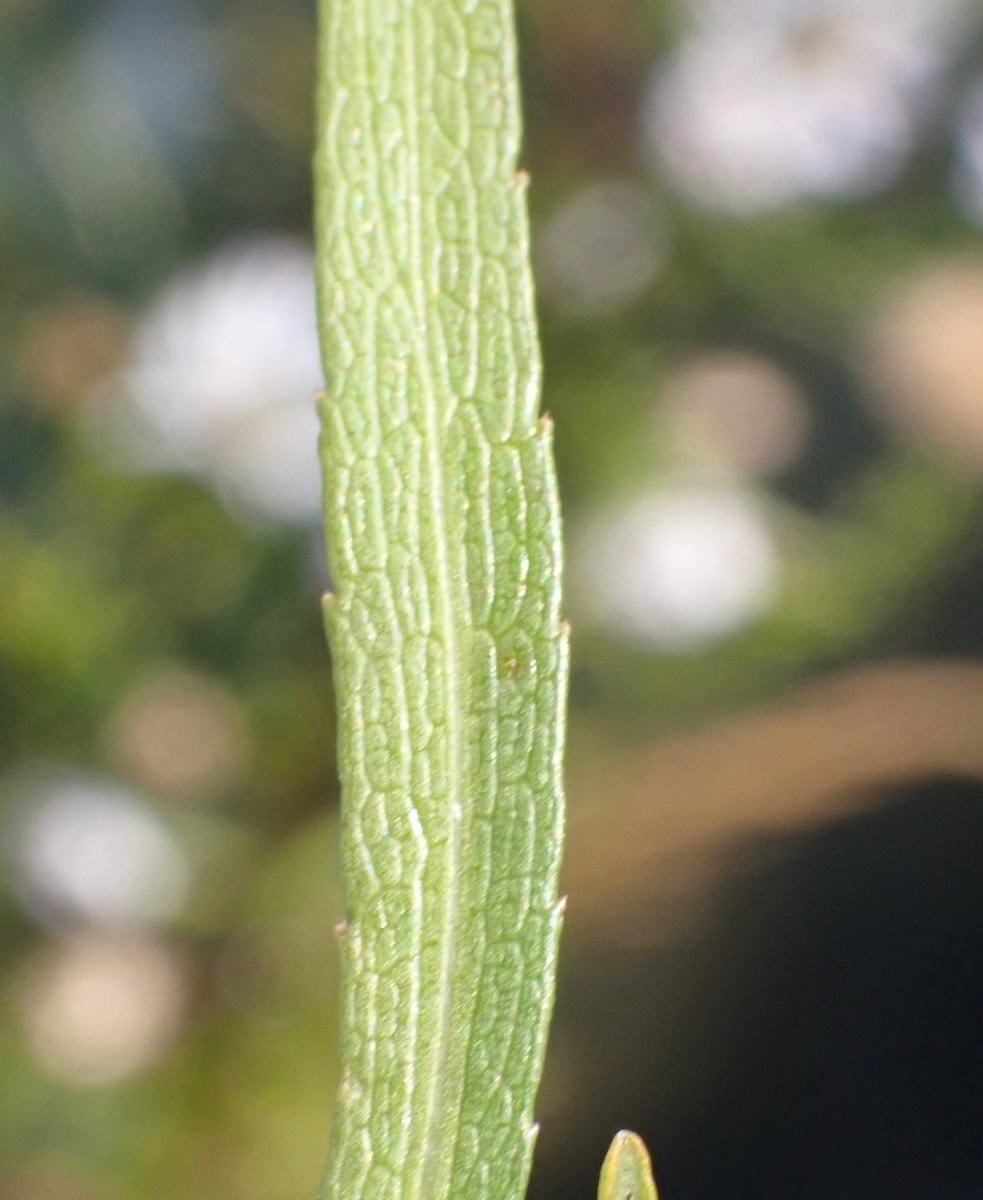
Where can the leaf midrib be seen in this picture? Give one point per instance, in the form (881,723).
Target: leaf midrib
(452,601)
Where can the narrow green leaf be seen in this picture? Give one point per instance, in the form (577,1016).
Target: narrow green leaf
(627,1170)
(444,543)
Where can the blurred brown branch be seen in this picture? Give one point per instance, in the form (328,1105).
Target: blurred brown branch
(648,831)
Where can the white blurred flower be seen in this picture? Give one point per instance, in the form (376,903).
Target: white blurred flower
(771,101)
(222,378)
(85,850)
(601,248)
(680,567)
(97,1011)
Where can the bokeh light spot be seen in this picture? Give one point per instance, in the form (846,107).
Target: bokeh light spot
(181,735)
(763,104)
(926,358)
(601,248)
(86,850)
(96,1011)
(66,349)
(222,377)
(680,567)
(738,411)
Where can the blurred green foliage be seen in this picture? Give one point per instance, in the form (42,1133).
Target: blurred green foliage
(112,177)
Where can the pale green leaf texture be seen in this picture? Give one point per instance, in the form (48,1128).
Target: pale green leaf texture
(444,544)
(627,1170)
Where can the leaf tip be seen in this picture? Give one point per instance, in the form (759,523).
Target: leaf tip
(627,1170)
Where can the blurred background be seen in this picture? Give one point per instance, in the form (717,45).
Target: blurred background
(758,238)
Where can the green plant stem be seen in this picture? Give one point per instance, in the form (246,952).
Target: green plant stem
(449,656)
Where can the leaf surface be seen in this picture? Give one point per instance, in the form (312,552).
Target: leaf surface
(627,1170)
(444,545)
